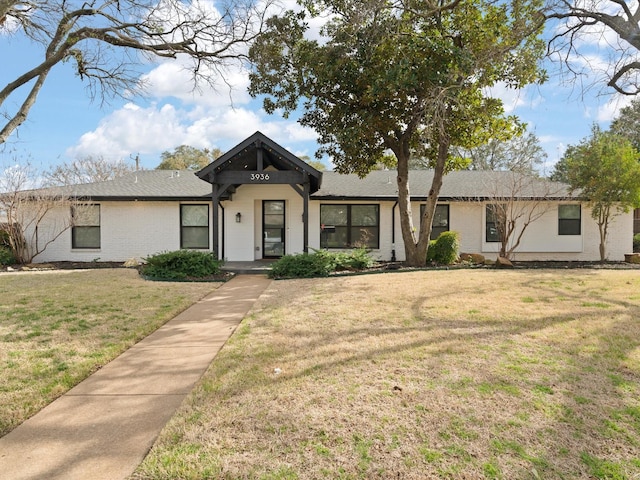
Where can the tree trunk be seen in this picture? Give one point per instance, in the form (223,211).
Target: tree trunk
(416,247)
(404,205)
(603,224)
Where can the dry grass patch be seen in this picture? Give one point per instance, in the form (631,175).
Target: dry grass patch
(435,374)
(57,328)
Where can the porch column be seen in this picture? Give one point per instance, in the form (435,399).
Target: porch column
(215,198)
(305,213)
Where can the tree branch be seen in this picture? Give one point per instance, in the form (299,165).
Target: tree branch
(168,30)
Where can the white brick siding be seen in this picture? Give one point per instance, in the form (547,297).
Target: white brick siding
(138,229)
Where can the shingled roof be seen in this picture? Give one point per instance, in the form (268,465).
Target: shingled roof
(378,185)
(146,185)
(460,185)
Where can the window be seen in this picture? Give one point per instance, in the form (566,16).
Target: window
(349,226)
(493,215)
(440,220)
(194,226)
(85,232)
(569,220)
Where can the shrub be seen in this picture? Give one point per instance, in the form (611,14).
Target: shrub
(444,249)
(320,263)
(359,259)
(181,265)
(6,256)
(303,265)
(636,243)
(4,238)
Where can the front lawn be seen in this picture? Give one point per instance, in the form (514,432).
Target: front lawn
(519,374)
(56,328)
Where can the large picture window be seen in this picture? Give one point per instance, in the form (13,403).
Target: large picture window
(85,232)
(440,220)
(349,226)
(569,222)
(194,226)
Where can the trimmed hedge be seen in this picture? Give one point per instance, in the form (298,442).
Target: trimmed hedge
(181,265)
(320,263)
(305,265)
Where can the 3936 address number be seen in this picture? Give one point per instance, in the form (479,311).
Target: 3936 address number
(259,177)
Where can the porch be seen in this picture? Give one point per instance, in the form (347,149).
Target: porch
(257,267)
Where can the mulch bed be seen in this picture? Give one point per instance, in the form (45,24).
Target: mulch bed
(380,267)
(35,267)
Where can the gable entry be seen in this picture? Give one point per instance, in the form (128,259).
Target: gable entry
(247,163)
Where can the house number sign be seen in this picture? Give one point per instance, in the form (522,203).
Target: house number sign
(257,177)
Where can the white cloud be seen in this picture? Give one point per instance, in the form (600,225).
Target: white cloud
(151,130)
(298,133)
(131,129)
(174,79)
(514,98)
(608,111)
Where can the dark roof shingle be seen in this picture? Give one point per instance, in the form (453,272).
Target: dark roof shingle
(379,184)
(461,185)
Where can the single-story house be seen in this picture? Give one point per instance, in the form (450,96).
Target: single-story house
(259,201)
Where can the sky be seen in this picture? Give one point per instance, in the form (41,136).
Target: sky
(67,124)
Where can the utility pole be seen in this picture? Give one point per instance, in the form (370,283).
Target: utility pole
(137,160)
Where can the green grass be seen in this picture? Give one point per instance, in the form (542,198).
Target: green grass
(379,376)
(57,328)
(424,373)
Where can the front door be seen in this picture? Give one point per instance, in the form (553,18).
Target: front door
(273,228)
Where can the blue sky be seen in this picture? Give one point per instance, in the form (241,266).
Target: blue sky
(65,123)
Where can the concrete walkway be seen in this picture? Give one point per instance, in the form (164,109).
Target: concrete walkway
(104,427)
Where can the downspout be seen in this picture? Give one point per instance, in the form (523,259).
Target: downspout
(393,231)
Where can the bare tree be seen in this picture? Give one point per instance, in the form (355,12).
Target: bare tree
(614,24)
(521,154)
(32,218)
(86,170)
(516,201)
(107,40)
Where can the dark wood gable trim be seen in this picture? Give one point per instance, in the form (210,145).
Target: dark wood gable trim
(247,163)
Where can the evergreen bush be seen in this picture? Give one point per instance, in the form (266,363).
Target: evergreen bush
(636,243)
(444,249)
(181,265)
(6,256)
(304,265)
(359,259)
(320,263)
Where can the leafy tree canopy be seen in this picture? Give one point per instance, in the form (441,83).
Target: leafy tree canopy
(627,123)
(605,168)
(186,157)
(410,80)
(317,164)
(385,73)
